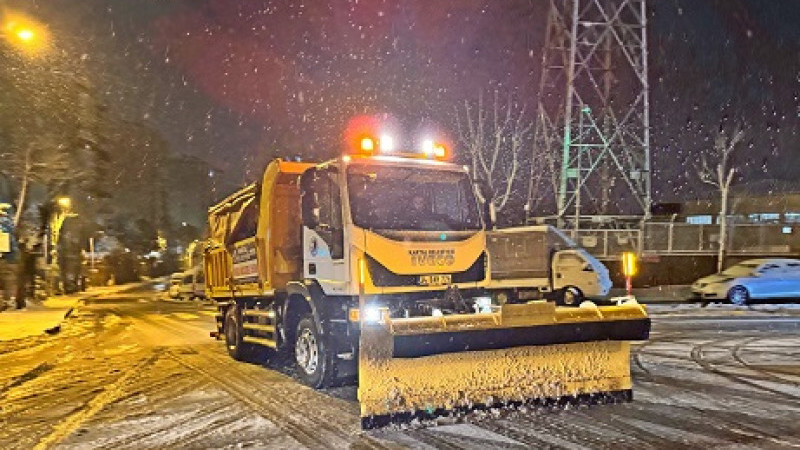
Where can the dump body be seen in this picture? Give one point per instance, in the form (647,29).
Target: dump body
(255,242)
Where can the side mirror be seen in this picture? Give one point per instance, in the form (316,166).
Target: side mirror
(310,211)
(308,201)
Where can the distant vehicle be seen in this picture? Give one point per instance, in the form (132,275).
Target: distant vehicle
(187,285)
(535,262)
(763,278)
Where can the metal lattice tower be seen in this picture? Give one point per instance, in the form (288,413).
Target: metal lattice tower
(593,109)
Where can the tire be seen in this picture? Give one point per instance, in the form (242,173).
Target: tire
(571,296)
(739,295)
(237,348)
(313,363)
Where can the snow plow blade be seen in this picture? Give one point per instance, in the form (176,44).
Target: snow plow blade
(521,354)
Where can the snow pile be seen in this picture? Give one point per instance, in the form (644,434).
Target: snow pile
(468,379)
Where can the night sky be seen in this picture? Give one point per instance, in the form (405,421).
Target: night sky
(239,82)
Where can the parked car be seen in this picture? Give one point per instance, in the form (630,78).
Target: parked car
(187,285)
(763,278)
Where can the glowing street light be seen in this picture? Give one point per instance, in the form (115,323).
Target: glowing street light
(24,33)
(64,202)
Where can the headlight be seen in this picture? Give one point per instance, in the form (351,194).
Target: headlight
(370,314)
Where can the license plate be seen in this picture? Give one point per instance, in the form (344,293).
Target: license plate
(435,280)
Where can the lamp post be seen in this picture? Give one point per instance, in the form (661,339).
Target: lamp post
(62,210)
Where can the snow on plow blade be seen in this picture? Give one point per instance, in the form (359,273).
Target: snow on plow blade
(425,367)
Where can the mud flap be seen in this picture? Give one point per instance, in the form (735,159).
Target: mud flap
(430,369)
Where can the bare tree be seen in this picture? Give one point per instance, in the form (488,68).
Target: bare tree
(494,137)
(49,128)
(716,169)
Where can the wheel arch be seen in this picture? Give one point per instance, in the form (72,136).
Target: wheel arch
(301,299)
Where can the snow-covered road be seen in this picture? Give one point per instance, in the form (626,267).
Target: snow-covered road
(133,371)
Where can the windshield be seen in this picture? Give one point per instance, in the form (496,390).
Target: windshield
(740,270)
(560,240)
(411,198)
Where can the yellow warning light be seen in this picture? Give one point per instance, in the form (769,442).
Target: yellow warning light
(367,145)
(439,152)
(629,264)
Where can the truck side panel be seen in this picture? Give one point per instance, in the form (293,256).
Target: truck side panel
(285,246)
(524,255)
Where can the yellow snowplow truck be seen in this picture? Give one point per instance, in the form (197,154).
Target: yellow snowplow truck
(375,266)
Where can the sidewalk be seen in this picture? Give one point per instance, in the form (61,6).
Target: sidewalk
(46,316)
(679,293)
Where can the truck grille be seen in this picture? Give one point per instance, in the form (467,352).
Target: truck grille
(383,277)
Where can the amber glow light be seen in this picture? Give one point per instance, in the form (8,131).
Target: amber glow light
(23,33)
(367,145)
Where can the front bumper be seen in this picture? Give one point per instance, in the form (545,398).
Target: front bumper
(709,292)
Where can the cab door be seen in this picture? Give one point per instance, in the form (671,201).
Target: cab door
(768,282)
(792,276)
(323,230)
(568,270)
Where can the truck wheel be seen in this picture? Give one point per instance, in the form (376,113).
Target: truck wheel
(314,365)
(237,348)
(571,296)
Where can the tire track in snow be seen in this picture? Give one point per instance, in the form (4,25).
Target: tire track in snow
(286,404)
(697,356)
(108,395)
(736,353)
(304,434)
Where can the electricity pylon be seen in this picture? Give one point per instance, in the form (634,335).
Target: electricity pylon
(593,120)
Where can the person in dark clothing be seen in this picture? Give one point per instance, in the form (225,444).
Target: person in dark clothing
(422,216)
(26,274)
(8,255)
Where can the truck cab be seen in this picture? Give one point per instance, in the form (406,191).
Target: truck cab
(297,260)
(380,226)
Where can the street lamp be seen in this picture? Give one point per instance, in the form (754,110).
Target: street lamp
(23,33)
(62,211)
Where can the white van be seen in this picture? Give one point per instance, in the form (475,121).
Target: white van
(187,285)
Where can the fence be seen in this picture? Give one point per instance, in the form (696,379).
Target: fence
(689,239)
